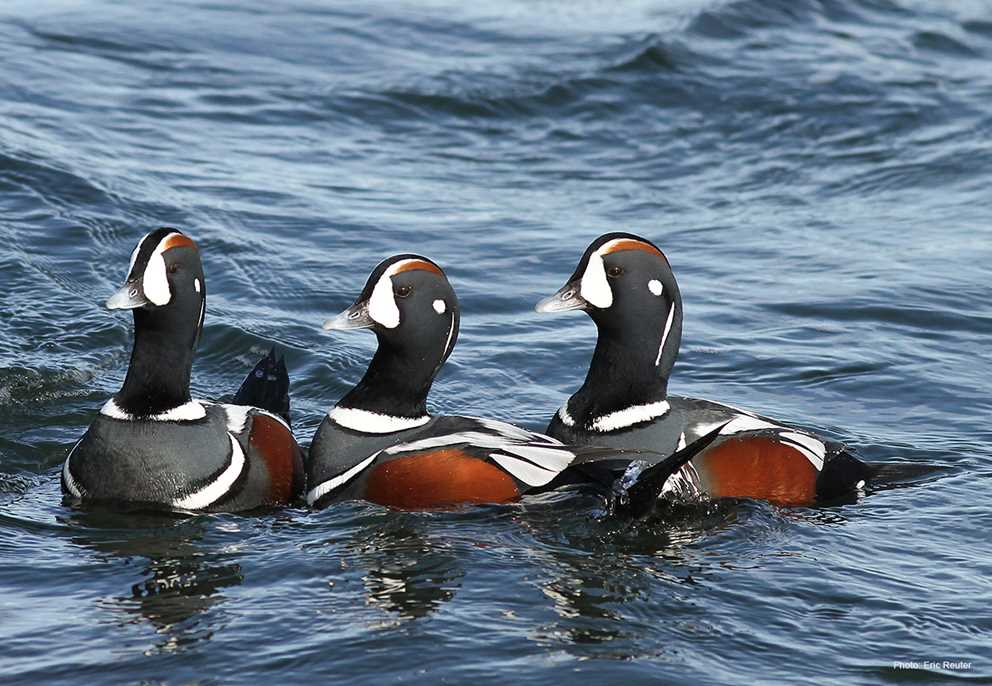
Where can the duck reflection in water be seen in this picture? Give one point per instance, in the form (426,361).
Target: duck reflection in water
(406,571)
(181,579)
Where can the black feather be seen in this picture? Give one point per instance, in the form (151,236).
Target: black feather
(638,499)
(267,386)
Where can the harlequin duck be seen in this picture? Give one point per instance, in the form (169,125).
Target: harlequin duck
(625,283)
(379,443)
(154,446)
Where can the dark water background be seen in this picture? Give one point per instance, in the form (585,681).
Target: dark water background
(818,171)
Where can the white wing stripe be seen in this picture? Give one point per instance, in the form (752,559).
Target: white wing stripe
(812,449)
(213,492)
(524,471)
(555,459)
(341,479)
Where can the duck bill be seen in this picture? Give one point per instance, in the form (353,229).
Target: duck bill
(567,298)
(130,296)
(355,317)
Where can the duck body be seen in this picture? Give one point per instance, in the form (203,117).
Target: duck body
(754,456)
(626,285)
(447,460)
(204,457)
(152,445)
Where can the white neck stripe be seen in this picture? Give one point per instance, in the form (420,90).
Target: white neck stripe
(188,412)
(373,422)
(664,336)
(635,414)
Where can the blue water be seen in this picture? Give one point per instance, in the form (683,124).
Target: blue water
(818,172)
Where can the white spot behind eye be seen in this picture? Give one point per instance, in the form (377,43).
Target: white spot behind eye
(655,286)
(595,289)
(440,307)
(196,285)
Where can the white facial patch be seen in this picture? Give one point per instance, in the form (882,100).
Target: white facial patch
(655,286)
(440,307)
(595,289)
(382,304)
(154,282)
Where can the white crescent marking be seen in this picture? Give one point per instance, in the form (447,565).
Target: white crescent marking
(323,489)
(70,482)
(213,492)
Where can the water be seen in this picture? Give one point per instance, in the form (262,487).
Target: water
(818,172)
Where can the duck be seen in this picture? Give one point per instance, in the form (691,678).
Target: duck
(626,285)
(379,443)
(152,445)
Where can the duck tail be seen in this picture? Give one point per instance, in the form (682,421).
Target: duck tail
(882,474)
(636,492)
(267,386)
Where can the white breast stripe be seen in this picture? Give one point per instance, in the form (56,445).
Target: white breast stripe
(188,412)
(629,416)
(681,441)
(213,492)
(524,471)
(70,482)
(323,489)
(664,336)
(373,422)
(564,416)
(555,459)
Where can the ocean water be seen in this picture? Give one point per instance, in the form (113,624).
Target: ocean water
(819,173)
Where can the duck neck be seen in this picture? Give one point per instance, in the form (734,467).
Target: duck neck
(628,369)
(161,362)
(396,384)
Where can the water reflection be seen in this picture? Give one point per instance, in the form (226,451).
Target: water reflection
(407,572)
(180,578)
(603,575)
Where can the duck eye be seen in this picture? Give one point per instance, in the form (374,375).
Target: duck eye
(404,291)
(614,271)
(173,268)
